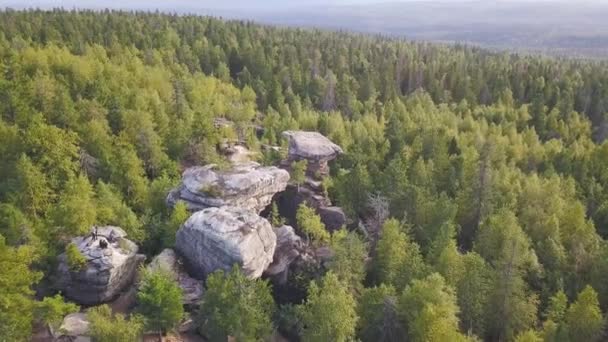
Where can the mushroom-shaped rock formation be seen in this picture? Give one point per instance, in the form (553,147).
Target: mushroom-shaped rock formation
(246,185)
(218,238)
(315,148)
(289,248)
(111,264)
(167,261)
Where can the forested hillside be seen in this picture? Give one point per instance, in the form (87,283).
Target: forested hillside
(475,183)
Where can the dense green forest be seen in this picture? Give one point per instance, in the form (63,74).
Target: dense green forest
(483,177)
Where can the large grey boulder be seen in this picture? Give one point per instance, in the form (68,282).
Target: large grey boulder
(75,327)
(218,238)
(333,217)
(107,271)
(248,185)
(168,261)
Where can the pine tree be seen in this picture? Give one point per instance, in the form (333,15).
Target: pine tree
(112,210)
(52,310)
(511,307)
(178,217)
(106,327)
(16,294)
(298,172)
(236,306)
(160,301)
(310,223)
(348,260)
(329,313)
(379,320)
(275,216)
(76,212)
(429,311)
(34,193)
(584,317)
(398,260)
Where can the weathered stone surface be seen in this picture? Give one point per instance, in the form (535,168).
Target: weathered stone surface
(246,185)
(217,238)
(311,146)
(168,261)
(75,327)
(289,247)
(239,154)
(107,272)
(333,217)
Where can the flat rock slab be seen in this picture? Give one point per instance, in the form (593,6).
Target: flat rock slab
(247,185)
(217,238)
(311,146)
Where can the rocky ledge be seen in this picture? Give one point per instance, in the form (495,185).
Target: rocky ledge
(289,247)
(311,146)
(111,265)
(245,185)
(218,238)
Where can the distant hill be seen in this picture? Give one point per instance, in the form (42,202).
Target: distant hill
(563,28)
(552,27)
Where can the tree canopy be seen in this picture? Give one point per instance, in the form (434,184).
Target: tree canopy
(475,182)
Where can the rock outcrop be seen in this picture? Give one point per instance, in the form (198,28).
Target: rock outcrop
(246,185)
(168,261)
(111,265)
(75,327)
(218,238)
(333,217)
(289,248)
(315,148)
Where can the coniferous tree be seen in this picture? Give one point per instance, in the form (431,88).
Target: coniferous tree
(329,313)
(236,306)
(16,294)
(398,260)
(310,223)
(106,327)
(160,301)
